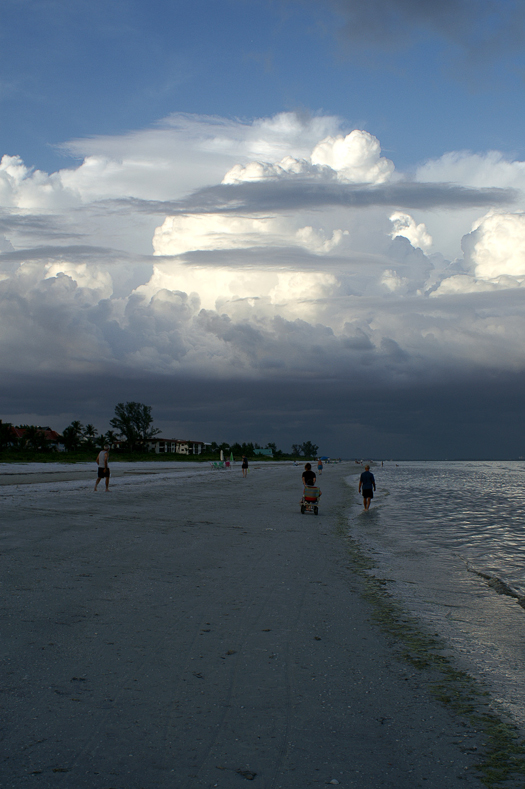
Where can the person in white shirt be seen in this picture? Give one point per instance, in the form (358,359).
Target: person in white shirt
(103,468)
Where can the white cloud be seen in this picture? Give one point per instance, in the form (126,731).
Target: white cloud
(244,292)
(392,281)
(477,170)
(85,276)
(186,152)
(332,291)
(32,190)
(179,234)
(472,169)
(405,225)
(354,158)
(261,171)
(496,246)
(462,283)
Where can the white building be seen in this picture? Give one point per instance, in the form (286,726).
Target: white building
(177,445)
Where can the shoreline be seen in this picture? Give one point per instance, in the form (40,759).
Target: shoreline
(444,671)
(444,580)
(39,473)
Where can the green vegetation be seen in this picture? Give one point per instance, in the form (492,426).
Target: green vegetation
(504,750)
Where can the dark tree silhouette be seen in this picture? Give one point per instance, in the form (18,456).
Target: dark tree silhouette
(309,450)
(7,437)
(72,435)
(133,421)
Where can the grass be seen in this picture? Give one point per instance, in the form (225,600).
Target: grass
(503,756)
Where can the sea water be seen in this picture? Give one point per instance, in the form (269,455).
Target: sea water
(449,537)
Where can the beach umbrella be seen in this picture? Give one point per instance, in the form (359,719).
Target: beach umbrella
(222,455)
(231,457)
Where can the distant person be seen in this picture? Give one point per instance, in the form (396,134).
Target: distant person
(308,475)
(244,466)
(319,466)
(367,485)
(103,468)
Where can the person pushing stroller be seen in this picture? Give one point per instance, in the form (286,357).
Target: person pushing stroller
(309,477)
(311,494)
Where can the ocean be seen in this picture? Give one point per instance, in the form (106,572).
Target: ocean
(449,537)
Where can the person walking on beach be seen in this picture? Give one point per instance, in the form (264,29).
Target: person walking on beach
(319,466)
(103,468)
(367,484)
(308,475)
(244,466)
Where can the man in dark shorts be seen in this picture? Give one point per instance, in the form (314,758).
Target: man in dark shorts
(244,466)
(103,468)
(368,484)
(308,475)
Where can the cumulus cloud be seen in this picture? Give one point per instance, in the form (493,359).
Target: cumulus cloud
(184,152)
(496,246)
(354,158)
(405,225)
(92,277)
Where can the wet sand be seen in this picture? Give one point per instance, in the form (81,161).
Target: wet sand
(198,631)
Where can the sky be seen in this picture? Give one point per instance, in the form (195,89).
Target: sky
(269,220)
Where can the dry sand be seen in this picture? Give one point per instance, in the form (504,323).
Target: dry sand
(195,631)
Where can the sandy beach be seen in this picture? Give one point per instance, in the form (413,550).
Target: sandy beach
(192,629)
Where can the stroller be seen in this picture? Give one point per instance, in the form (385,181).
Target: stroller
(310,500)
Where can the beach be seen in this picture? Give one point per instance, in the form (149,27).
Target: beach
(191,628)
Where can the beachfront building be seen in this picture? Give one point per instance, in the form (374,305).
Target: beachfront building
(177,445)
(33,436)
(265,452)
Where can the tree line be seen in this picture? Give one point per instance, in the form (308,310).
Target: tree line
(307,450)
(132,427)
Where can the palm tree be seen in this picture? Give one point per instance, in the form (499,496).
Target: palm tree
(110,438)
(90,433)
(72,435)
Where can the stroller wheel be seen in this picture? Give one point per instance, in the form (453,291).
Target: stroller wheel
(316,510)
(302,509)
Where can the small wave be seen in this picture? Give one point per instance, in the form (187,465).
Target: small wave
(498,585)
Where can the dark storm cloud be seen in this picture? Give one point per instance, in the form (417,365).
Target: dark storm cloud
(496,25)
(348,419)
(293,194)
